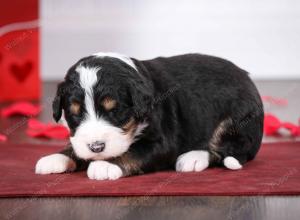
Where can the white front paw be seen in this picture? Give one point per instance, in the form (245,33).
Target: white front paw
(103,170)
(54,163)
(197,161)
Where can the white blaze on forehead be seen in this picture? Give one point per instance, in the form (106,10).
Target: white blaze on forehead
(88,78)
(121,57)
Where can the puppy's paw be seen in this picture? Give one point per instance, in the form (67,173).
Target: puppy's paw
(197,161)
(103,170)
(54,163)
(232,163)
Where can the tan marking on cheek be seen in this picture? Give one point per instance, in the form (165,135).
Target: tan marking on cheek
(130,126)
(108,103)
(130,165)
(75,108)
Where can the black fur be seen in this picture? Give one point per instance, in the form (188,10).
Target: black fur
(182,98)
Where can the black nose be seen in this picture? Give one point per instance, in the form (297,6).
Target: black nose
(96,146)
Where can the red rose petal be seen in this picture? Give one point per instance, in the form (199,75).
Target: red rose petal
(3,137)
(21,108)
(49,130)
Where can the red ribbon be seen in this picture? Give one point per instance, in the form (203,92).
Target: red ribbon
(272,125)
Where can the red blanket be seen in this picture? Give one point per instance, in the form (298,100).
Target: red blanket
(275,171)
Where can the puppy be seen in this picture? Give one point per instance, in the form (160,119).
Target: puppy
(129,117)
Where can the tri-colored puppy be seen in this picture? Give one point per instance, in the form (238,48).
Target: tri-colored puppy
(129,117)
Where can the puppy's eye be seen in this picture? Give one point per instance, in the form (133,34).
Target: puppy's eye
(75,108)
(108,103)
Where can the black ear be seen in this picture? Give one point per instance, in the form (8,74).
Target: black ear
(142,99)
(57,103)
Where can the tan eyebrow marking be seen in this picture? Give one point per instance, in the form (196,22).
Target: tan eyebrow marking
(108,103)
(75,108)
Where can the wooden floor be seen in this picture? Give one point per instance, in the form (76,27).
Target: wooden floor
(200,207)
(152,208)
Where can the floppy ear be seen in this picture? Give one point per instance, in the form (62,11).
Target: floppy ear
(142,99)
(57,103)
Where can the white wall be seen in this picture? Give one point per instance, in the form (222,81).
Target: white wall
(261,36)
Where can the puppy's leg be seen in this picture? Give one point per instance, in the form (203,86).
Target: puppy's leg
(124,165)
(103,170)
(234,153)
(61,162)
(236,142)
(232,163)
(196,160)
(54,163)
(142,157)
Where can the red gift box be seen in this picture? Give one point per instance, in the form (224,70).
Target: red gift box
(19,50)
